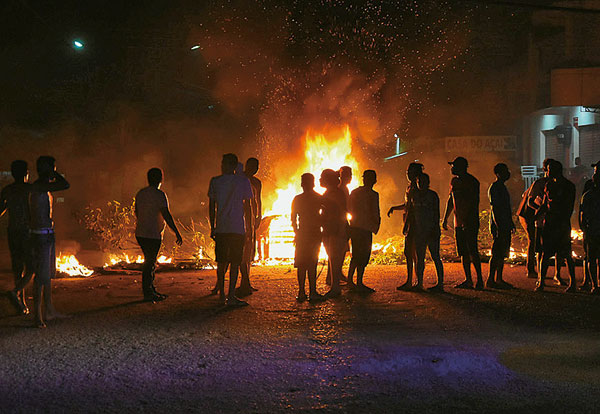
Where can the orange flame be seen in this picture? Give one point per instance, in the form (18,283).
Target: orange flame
(68,264)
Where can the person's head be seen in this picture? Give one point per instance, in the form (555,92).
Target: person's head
(596,165)
(155,177)
(345,175)
(19,170)
(596,179)
(369,178)
(577,161)
(459,165)
(46,166)
(545,165)
(251,166)
(329,179)
(228,164)
(502,172)
(307,181)
(414,170)
(423,181)
(555,169)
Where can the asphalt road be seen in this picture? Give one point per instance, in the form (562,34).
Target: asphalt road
(461,351)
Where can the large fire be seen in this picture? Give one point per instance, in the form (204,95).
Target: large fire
(333,150)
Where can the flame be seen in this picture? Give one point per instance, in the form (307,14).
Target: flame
(124,258)
(576,234)
(69,265)
(322,150)
(162,259)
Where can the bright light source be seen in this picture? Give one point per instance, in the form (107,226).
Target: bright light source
(195,47)
(78,44)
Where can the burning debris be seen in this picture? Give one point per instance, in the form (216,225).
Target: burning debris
(69,266)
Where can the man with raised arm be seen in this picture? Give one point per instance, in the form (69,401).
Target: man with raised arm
(230,212)
(42,238)
(464,202)
(14,198)
(152,211)
(412,172)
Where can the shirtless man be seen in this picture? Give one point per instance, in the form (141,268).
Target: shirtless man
(42,237)
(250,171)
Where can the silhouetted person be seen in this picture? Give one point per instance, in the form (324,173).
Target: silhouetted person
(14,198)
(335,227)
(464,201)
(152,212)
(306,222)
(501,226)
(526,214)
(423,210)
(587,283)
(534,201)
(42,237)
(413,171)
(363,205)
(345,174)
(589,221)
(250,246)
(230,210)
(558,203)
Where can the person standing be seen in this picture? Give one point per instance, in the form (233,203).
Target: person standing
(464,202)
(42,238)
(501,226)
(335,227)
(345,176)
(251,169)
(423,210)
(534,201)
(412,172)
(587,283)
(557,207)
(151,212)
(589,221)
(230,213)
(363,205)
(306,222)
(14,198)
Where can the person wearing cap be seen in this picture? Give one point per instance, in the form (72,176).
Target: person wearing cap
(589,221)
(501,226)
(464,202)
(412,173)
(363,205)
(535,195)
(557,207)
(335,227)
(587,283)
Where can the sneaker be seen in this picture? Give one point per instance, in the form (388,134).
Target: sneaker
(154,298)
(16,302)
(467,284)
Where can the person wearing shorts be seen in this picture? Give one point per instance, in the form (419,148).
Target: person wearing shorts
(306,222)
(464,202)
(363,206)
(230,213)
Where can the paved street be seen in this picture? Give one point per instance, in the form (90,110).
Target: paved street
(461,351)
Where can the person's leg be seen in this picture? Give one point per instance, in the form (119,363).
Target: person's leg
(150,253)
(233,276)
(594,262)
(571,268)
(312,282)
(351,269)
(474,253)
(236,249)
(544,262)
(336,258)
(434,251)
(491,281)
(220,285)
(529,227)
(302,271)
(421,251)
(408,256)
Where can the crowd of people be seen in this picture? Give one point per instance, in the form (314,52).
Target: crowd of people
(342,221)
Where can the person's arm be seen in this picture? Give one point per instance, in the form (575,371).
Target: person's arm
(294,216)
(533,195)
(58,183)
(3,203)
(399,207)
(259,205)
(448,211)
(495,213)
(582,215)
(248,217)
(377,212)
(212,215)
(171,223)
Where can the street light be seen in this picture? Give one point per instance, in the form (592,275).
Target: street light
(78,44)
